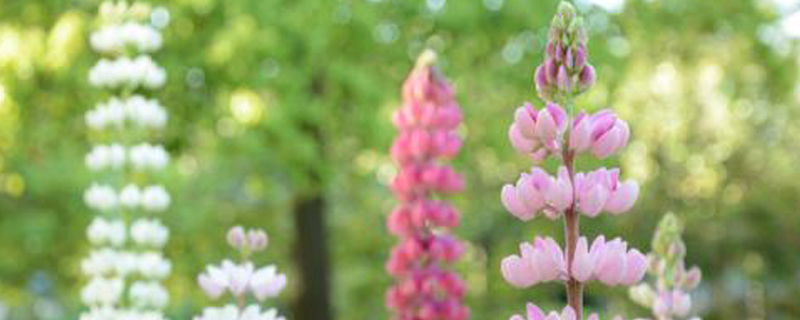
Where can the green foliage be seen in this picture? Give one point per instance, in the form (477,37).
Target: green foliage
(268,96)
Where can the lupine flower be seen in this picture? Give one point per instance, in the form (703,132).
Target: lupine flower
(100,197)
(601,190)
(146,156)
(427,121)
(130,196)
(101,262)
(125,72)
(538,133)
(153,265)
(609,262)
(608,134)
(149,233)
(148,294)
(534,313)
(113,258)
(563,75)
(102,231)
(116,38)
(136,110)
(102,157)
(155,198)
(109,313)
(540,261)
(103,291)
(668,296)
(231,312)
(239,278)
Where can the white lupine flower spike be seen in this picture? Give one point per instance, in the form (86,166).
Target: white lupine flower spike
(125,265)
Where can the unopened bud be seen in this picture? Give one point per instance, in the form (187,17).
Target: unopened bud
(257,240)
(691,278)
(567,11)
(642,294)
(236,237)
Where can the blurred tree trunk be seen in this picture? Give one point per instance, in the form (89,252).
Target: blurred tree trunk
(313,302)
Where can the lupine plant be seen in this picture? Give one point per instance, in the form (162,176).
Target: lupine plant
(425,288)
(240,279)
(556,131)
(668,295)
(126,265)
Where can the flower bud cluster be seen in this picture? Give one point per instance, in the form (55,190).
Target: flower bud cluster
(125,265)
(668,297)
(566,70)
(424,288)
(241,279)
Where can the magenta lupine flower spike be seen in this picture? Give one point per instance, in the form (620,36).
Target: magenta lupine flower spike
(668,296)
(552,130)
(424,287)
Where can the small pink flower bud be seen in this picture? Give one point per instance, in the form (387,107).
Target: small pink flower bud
(587,78)
(236,237)
(562,80)
(257,240)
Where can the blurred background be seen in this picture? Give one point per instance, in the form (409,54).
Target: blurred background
(280,119)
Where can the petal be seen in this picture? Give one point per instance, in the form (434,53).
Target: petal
(518,140)
(534,313)
(622,199)
(582,264)
(511,201)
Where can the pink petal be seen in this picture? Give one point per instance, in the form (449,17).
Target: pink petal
(526,124)
(534,313)
(622,199)
(518,140)
(582,264)
(636,264)
(513,204)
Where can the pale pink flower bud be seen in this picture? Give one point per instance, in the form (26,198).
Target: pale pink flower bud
(587,78)
(562,80)
(691,279)
(540,78)
(257,240)
(236,237)
(580,57)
